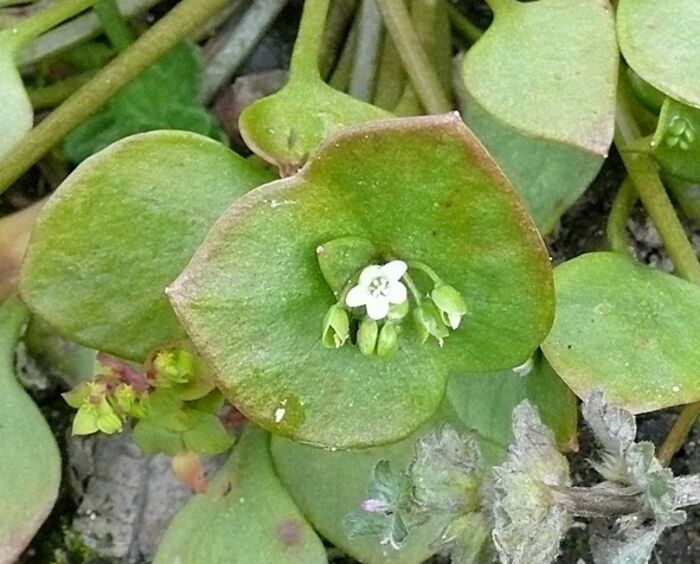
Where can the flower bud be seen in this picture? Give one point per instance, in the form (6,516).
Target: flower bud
(107,419)
(367,336)
(175,366)
(388,340)
(429,323)
(450,303)
(336,327)
(398,311)
(85,421)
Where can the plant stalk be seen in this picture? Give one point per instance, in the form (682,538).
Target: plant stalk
(307,48)
(180,22)
(414,57)
(622,207)
(32,27)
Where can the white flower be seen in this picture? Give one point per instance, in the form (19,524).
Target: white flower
(379,287)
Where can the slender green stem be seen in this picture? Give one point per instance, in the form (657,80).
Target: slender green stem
(30,28)
(115,26)
(307,47)
(179,23)
(77,30)
(468,30)
(680,430)
(391,76)
(54,94)
(415,292)
(366,60)
(339,18)
(622,207)
(417,265)
(414,57)
(340,79)
(645,175)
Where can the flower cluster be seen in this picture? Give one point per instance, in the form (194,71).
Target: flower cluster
(379,300)
(120,390)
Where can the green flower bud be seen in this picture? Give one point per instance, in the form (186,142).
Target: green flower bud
(85,421)
(336,327)
(107,419)
(367,336)
(78,395)
(398,311)
(388,341)
(124,397)
(429,322)
(450,303)
(175,366)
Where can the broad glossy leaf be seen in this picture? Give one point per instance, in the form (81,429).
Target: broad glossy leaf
(485,402)
(253,299)
(627,328)
(30,465)
(545,108)
(659,40)
(329,485)
(121,228)
(16,114)
(245,516)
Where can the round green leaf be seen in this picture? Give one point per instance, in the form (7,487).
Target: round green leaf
(120,229)
(245,516)
(30,465)
(253,299)
(627,328)
(484,403)
(659,40)
(16,114)
(545,109)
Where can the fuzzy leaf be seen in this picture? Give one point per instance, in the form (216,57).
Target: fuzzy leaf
(30,465)
(245,516)
(163,97)
(330,485)
(625,546)
(529,524)
(659,41)
(627,327)
(545,108)
(445,471)
(121,228)
(425,191)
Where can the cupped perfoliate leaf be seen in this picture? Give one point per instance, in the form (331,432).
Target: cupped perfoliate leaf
(30,464)
(628,329)
(659,40)
(245,516)
(545,108)
(120,229)
(253,299)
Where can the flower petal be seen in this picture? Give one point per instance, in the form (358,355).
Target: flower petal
(396,293)
(369,273)
(394,270)
(454,319)
(377,307)
(357,296)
